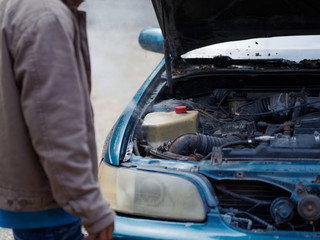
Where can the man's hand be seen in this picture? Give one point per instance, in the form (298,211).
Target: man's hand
(104,234)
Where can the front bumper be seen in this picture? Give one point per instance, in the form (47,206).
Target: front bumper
(214,229)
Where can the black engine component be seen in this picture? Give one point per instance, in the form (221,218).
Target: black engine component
(272,107)
(281,210)
(189,143)
(309,124)
(219,95)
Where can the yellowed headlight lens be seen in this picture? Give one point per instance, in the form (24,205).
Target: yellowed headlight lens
(151,194)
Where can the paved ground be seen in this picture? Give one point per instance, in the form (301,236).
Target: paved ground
(119,65)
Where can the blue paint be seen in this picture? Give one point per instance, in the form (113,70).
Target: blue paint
(212,229)
(151,39)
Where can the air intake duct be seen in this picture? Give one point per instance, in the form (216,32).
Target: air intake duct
(194,142)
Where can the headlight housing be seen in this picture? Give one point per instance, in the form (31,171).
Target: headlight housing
(151,194)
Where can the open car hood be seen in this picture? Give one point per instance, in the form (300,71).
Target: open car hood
(191,24)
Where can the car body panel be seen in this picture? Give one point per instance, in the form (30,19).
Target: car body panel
(213,229)
(193,24)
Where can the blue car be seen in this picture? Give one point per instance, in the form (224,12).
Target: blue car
(222,141)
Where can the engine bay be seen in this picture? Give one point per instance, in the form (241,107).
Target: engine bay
(239,124)
(220,121)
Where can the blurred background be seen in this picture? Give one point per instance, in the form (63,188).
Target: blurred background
(119,64)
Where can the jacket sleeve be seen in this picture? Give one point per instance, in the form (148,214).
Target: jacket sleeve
(53,99)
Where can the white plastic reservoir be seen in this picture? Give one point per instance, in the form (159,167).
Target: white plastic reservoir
(164,126)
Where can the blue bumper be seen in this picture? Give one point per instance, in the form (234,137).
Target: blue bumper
(214,229)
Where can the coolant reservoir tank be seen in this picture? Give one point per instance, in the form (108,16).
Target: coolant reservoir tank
(163,126)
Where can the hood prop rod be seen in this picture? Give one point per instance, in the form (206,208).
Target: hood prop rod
(168,65)
(167,58)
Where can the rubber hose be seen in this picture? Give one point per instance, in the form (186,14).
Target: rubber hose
(189,143)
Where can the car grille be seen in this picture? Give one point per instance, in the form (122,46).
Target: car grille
(243,192)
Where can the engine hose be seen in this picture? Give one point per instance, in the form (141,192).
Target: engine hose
(246,111)
(277,130)
(268,225)
(229,144)
(189,143)
(259,220)
(245,198)
(278,105)
(240,219)
(219,95)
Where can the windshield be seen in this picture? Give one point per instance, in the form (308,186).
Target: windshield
(294,48)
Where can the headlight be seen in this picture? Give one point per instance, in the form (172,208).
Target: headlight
(151,194)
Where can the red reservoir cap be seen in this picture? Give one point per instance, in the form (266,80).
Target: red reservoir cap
(181,109)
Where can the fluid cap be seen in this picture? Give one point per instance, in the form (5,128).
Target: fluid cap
(181,109)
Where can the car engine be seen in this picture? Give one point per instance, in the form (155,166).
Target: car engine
(236,124)
(255,125)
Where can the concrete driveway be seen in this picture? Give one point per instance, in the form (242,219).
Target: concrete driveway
(119,65)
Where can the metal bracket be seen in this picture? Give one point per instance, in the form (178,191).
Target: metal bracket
(216,156)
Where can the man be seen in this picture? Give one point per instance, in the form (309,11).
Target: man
(48,165)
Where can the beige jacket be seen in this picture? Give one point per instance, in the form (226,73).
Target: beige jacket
(47,143)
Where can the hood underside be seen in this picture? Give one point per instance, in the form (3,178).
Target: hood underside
(191,24)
